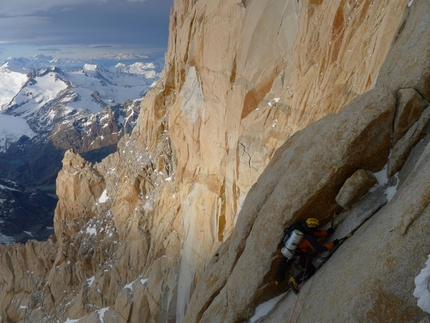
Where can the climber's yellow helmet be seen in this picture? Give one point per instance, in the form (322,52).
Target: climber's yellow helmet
(312,223)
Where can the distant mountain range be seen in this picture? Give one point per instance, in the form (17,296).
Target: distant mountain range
(25,64)
(51,94)
(49,105)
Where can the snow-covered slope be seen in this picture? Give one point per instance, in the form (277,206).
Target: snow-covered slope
(39,90)
(12,128)
(10,83)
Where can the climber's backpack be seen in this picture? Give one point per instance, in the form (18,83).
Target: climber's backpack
(290,241)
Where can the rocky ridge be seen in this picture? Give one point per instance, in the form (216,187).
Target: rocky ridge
(153,233)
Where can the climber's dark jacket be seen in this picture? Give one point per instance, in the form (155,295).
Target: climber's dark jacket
(309,241)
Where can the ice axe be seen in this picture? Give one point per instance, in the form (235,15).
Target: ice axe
(345,237)
(332,220)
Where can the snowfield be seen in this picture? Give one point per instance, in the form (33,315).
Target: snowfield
(37,93)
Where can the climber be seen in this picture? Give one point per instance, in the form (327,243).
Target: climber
(299,243)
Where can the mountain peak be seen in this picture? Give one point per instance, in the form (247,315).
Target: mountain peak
(91,67)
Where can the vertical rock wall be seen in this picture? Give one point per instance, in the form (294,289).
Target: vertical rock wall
(370,278)
(259,71)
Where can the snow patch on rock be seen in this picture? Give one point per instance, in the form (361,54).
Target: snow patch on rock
(193,104)
(422,291)
(104,197)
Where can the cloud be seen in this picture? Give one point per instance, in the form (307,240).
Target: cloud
(24,28)
(49,49)
(11,8)
(101,46)
(84,25)
(16,8)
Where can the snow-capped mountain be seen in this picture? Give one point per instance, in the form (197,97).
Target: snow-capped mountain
(44,97)
(25,64)
(146,69)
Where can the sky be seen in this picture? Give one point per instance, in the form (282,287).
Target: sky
(83,28)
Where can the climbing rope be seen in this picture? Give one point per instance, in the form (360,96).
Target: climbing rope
(298,294)
(306,298)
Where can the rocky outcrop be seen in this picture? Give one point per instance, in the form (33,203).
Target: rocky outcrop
(181,223)
(79,185)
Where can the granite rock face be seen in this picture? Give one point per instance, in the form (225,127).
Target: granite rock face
(302,180)
(263,112)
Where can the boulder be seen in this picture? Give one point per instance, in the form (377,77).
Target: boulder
(410,105)
(403,147)
(355,187)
